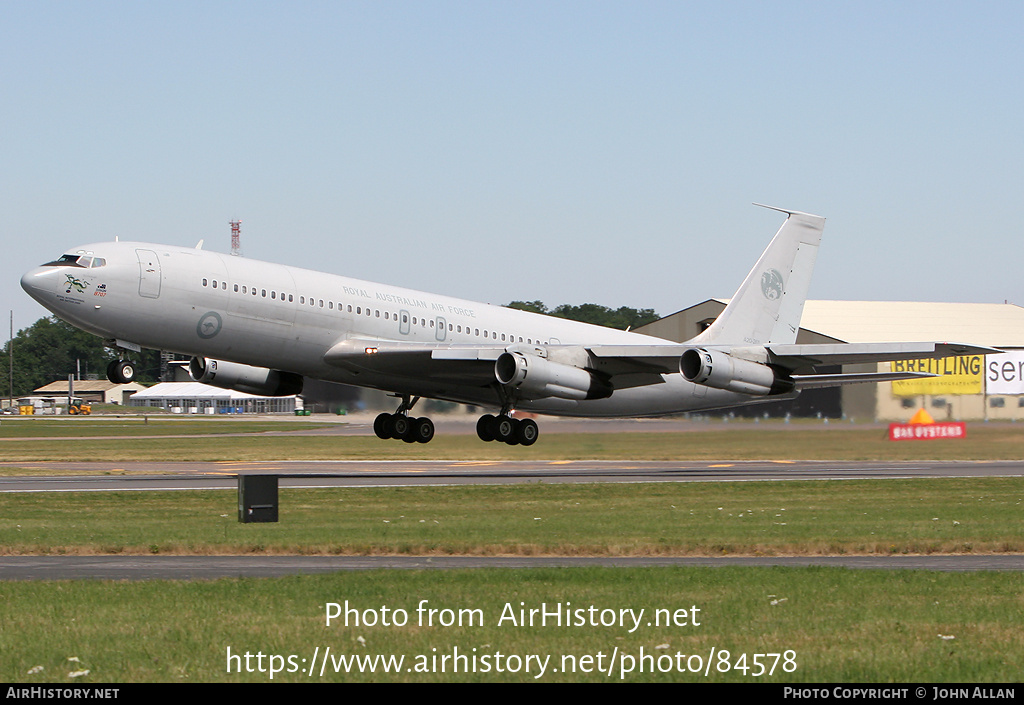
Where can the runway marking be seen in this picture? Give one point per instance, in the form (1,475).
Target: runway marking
(723,465)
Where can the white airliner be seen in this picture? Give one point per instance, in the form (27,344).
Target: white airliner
(260,327)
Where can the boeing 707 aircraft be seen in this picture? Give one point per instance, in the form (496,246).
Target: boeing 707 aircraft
(260,327)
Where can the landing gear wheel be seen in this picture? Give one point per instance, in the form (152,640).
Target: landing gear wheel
(121,371)
(527,432)
(504,428)
(423,430)
(483,428)
(383,426)
(399,425)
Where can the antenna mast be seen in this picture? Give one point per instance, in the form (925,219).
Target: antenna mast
(236,231)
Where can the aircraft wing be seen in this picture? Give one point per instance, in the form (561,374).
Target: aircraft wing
(625,366)
(665,359)
(794,357)
(470,364)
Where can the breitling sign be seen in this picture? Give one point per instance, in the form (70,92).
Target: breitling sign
(956,375)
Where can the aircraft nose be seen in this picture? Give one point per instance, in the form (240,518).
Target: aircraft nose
(35,282)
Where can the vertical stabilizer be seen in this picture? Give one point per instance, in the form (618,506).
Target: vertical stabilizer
(769,303)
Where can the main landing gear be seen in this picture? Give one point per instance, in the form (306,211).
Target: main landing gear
(502,427)
(121,371)
(399,426)
(506,429)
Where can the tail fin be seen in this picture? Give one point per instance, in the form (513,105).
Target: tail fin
(769,303)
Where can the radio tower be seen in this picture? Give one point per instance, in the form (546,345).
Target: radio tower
(236,230)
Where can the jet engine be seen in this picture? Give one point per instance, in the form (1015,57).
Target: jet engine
(714,368)
(244,378)
(536,377)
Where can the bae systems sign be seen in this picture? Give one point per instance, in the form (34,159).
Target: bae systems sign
(1004,374)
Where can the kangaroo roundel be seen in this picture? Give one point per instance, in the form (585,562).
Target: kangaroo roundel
(771,284)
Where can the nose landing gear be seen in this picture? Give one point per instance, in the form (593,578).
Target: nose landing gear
(121,371)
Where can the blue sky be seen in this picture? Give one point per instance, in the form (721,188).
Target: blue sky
(571,152)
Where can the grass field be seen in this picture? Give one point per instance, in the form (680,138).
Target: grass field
(805,624)
(740,442)
(979,515)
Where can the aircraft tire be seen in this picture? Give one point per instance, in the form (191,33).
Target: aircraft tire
(527,432)
(484,428)
(400,425)
(423,430)
(121,371)
(382,426)
(504,429)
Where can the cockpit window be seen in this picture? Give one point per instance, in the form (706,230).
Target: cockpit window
(70,261)
(77,260)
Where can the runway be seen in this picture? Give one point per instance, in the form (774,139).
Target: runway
(213,567)
(109,477)
(105,476)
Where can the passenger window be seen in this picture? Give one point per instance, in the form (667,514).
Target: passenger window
(290,298)
(263,292)
(503,337)
(205,283)
(273,294)
(321,303)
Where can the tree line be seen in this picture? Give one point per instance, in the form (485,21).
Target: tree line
(51,349)
(622,318)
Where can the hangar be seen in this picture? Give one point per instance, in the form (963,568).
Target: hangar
(197,398)
(96,391)
(966,389)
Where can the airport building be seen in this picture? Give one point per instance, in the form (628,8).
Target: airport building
(197,398)
(967,388)
(94,391)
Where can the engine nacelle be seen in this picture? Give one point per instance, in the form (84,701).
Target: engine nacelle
(714,368)
(536,377)
(244,378)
